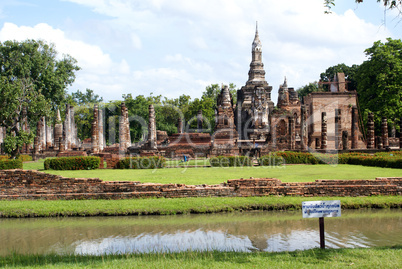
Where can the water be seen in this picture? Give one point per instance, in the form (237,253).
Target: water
(241,231)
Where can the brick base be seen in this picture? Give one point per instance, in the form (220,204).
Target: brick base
(31,185)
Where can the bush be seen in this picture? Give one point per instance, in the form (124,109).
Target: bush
(230,161)
(23,158)
(141,163)
(72,163)
(10,164)
(271,160)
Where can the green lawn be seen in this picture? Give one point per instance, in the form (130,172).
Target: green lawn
(164,206)
(380,257)
(213,175)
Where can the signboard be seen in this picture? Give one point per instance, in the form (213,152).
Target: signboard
(321,209)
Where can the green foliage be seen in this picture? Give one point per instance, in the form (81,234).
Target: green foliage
(307,89)
(350,75)
(72,163)
(271,160)
(231,161)
(141,163)
(10,164)
(32,83)
(23,158)
(87,98)
(380,82)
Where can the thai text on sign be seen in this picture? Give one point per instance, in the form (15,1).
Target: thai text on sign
(320,209)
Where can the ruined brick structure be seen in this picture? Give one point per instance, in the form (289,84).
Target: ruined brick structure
(32,185)
(124,129)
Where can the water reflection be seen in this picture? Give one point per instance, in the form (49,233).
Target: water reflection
(249,231)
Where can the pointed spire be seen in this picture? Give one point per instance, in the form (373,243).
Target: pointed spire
(58,119)
(285,83)
(256,43)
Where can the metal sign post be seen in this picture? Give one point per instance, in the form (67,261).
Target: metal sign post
(321,209)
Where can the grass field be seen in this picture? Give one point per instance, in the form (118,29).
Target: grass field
(381,257)
(164,206)
(215,175)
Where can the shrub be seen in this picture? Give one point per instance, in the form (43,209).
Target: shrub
(10,164)
(141,163)
(271,160)
(23,158)
(230,161)
(72,163)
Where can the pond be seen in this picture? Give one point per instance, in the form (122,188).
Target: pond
(239,231)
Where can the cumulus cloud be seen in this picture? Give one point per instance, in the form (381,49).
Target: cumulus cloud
(171,47)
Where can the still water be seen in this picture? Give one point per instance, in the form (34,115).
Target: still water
(240,231)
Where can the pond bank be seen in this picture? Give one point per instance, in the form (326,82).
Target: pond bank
(166,206)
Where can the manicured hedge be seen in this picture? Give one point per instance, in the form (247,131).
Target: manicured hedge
(141,163)
(380,159)
(23,158)
(72,163)
(229,161)
(10,164)
(271,160)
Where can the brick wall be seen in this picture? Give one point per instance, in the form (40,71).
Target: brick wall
(28,184)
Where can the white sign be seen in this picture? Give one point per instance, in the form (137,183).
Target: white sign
(319,209)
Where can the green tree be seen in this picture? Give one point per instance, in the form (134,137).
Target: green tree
(89,97)
(380,81)
(306,89)
(388,4)
(32,80)
(349,71)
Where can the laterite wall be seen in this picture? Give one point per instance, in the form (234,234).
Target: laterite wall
(29,184)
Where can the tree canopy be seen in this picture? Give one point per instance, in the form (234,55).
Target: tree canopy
(380,81)
(33,83)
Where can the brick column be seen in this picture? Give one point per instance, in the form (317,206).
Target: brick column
(355,127)
(379,142)
(324,136)
(180,126)
(151,128)
(95,132)
(292,132)
(303,128)
(384,132)
(58,131)
(124,129)
(199,121)
(370,131)
(338,128)
(101,134)
(345,140)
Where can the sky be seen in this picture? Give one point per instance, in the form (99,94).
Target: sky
(175,47)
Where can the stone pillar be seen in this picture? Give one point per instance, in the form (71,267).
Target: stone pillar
(42,136)
(292,133)
(180,126)
(400,134)
(384,132)
(379,142)
(324,136)
(49,136)
(101,130)
(73,128)
(355,127)
(95,132)
(303,128)
(37,139)
(67,129)
(58,131)
(370,131)
(124,129)
(152,128)
(199,121)
(338,128)
(345,140)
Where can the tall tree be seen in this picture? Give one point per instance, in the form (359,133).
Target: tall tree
(34,81)
(306,89)
(380,81)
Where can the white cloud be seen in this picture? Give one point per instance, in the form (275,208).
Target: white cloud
(174,47)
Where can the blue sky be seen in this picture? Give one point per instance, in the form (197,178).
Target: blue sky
(174,47)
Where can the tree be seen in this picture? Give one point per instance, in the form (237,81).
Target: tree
(89,97)
(380,81)
(309,88)
(349,71)
(33,83)
(388,4)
